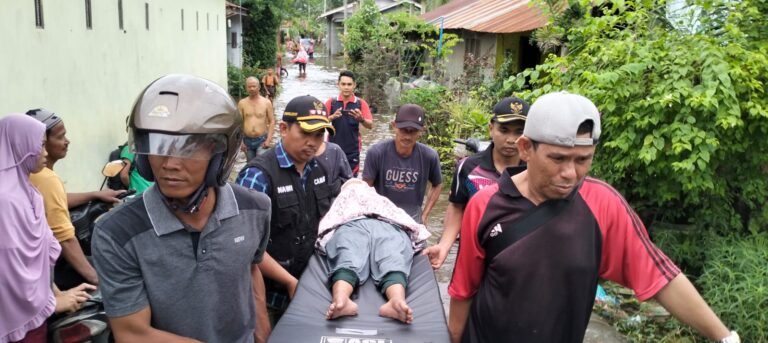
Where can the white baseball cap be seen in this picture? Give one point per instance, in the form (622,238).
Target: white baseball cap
(554,119)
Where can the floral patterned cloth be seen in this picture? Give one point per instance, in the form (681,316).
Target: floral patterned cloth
(358,200)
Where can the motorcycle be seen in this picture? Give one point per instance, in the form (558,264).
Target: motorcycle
(473,145)
(84,216)
(89,323)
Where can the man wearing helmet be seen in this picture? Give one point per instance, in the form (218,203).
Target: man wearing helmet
(301,194)
(179,260)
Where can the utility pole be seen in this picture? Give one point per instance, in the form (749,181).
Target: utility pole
(345,17)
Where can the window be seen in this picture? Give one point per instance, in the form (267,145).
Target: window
(234,40)
(197,20)
(146,15)
(182,19)
(120,14)
(88,18)
(208,21)
(39,14)
(217,22)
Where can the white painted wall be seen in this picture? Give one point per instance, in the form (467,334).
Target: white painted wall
(92,77)
(235,55)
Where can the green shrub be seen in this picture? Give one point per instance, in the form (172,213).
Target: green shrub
(448,119)
(261,25)
(236,80)
(469,119)
(683,113)
(686,247)
(435,101)
(735,284)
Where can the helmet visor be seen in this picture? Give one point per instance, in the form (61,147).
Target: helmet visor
(192,146)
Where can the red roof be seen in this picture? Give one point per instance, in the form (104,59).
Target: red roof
(495,16)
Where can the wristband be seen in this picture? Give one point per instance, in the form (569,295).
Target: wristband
(732,338)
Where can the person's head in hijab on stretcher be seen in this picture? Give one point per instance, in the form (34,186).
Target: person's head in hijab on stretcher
(365,235)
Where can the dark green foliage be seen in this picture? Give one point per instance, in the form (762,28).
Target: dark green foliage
(435,101)
(735,284)
(236,80)
(379,47)
(448,119)
(684,114)
(260,33)
(687,247)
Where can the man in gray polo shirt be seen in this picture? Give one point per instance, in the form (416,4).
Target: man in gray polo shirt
(176,263)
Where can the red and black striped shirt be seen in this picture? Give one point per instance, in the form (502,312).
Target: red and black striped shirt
(542,287)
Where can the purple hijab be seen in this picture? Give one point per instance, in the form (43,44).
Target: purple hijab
(28,249)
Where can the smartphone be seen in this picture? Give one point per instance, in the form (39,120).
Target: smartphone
(345,112)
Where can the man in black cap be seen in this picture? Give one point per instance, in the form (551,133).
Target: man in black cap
(399,168)
(481,170)
(298,187)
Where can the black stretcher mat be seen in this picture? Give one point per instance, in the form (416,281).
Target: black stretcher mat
(304,321)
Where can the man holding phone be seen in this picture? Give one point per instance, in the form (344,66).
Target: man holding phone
(348,112)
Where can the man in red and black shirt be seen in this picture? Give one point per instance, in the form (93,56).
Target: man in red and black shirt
(482,170)
(346,113)
(533,246)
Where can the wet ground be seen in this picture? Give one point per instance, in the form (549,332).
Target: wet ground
(321,83)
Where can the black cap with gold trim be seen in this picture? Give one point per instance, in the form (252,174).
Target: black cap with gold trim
(510,109)
(309,113)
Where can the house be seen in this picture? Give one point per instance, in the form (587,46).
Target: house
(89,60)
(491,30)
(235,16)
(335,19)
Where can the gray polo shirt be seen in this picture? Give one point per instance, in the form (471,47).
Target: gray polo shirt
(144,256)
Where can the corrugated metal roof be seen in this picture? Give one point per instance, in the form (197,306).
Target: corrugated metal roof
(351,7)
(494,16)
(445,9)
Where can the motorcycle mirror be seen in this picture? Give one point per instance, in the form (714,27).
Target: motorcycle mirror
(112,168)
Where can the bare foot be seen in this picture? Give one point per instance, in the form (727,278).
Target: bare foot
(341,308)
(397,309)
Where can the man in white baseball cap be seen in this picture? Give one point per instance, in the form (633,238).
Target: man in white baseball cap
(534,246)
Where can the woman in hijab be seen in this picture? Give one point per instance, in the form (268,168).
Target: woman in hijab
(28,248)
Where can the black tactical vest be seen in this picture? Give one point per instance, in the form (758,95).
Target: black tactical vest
(296,212)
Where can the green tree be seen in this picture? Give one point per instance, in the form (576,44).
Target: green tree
(379,47)
(684,112)
(260,32)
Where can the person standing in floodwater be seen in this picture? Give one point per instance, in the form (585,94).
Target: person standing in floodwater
(400,168)
(347,113)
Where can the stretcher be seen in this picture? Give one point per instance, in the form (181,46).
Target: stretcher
(304,320)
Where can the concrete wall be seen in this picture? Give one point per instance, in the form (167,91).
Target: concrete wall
(488,49)
(92,77)
(235,55)
(454,67)
(483,43)
(335,32)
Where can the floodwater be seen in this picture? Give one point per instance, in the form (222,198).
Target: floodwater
(321,83)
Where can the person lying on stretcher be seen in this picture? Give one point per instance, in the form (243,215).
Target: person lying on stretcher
(364,234)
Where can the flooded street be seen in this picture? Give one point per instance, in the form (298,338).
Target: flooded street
(321,83)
